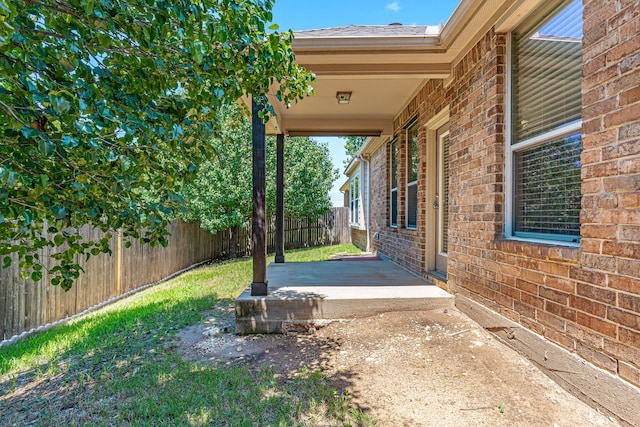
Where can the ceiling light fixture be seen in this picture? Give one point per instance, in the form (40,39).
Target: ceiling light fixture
(343,97)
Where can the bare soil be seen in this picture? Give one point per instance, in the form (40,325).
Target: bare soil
(407,369)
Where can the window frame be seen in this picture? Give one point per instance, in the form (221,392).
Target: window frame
(409,159)
(354,202)
(512,149)
(393,191)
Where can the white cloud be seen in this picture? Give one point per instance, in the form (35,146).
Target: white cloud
(395,6)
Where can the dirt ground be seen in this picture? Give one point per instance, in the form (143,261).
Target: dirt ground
(407,369)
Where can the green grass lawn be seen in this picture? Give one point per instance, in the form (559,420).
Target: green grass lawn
(119,366)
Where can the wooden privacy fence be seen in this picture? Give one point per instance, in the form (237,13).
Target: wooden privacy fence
(26,305)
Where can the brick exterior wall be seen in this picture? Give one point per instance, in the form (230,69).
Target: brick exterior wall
(607,299)
(585,299)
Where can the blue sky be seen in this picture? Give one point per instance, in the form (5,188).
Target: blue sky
(306,15)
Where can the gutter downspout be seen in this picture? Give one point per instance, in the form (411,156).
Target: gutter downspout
(367,216)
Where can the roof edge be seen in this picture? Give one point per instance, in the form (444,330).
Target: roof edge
(346,43)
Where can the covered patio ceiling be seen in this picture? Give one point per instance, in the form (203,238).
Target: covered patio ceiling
(382,67)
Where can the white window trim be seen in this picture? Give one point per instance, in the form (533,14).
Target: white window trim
(511,150)
(412,183)
(352,200)
(411,227)
(391,223)
(393,142)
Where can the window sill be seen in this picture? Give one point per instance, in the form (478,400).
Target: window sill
(541,249)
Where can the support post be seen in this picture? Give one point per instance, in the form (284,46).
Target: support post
(280,199)
(259,223)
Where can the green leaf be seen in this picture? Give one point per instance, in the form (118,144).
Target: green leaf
(58,240)
(69,141)
(60,104)
(28,217)
(125,163)
(28,132)
(59,211)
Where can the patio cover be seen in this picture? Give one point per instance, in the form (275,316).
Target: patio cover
(383,67)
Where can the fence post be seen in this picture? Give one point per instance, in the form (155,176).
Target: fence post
(119,263)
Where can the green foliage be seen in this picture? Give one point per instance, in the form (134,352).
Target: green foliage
(308,178)
(351,146)
(221,195)
(107,107)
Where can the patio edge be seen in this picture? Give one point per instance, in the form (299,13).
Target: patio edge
(273,315)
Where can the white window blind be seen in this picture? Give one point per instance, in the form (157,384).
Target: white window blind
(393,183)
(355,199)
(547,74)
(412,175)
(548,188)
(445,194)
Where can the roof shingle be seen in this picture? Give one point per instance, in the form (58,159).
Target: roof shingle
(392,30)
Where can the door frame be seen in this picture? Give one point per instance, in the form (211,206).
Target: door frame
(431,250)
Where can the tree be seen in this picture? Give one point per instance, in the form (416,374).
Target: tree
(220,197)
(107,107)
(351,146)
(309,176)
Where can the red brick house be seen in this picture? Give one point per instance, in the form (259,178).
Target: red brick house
(503,160)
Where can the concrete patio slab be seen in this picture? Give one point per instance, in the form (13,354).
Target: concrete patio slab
(307,293)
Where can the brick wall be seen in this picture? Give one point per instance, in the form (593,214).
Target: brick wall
(585,299)
(405,246)
(607,300)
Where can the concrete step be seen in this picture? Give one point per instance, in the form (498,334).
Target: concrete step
(305,294)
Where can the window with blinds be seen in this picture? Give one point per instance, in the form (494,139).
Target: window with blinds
(412,175)
(354,193)
(393,183)
(444,191)
(546,109)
